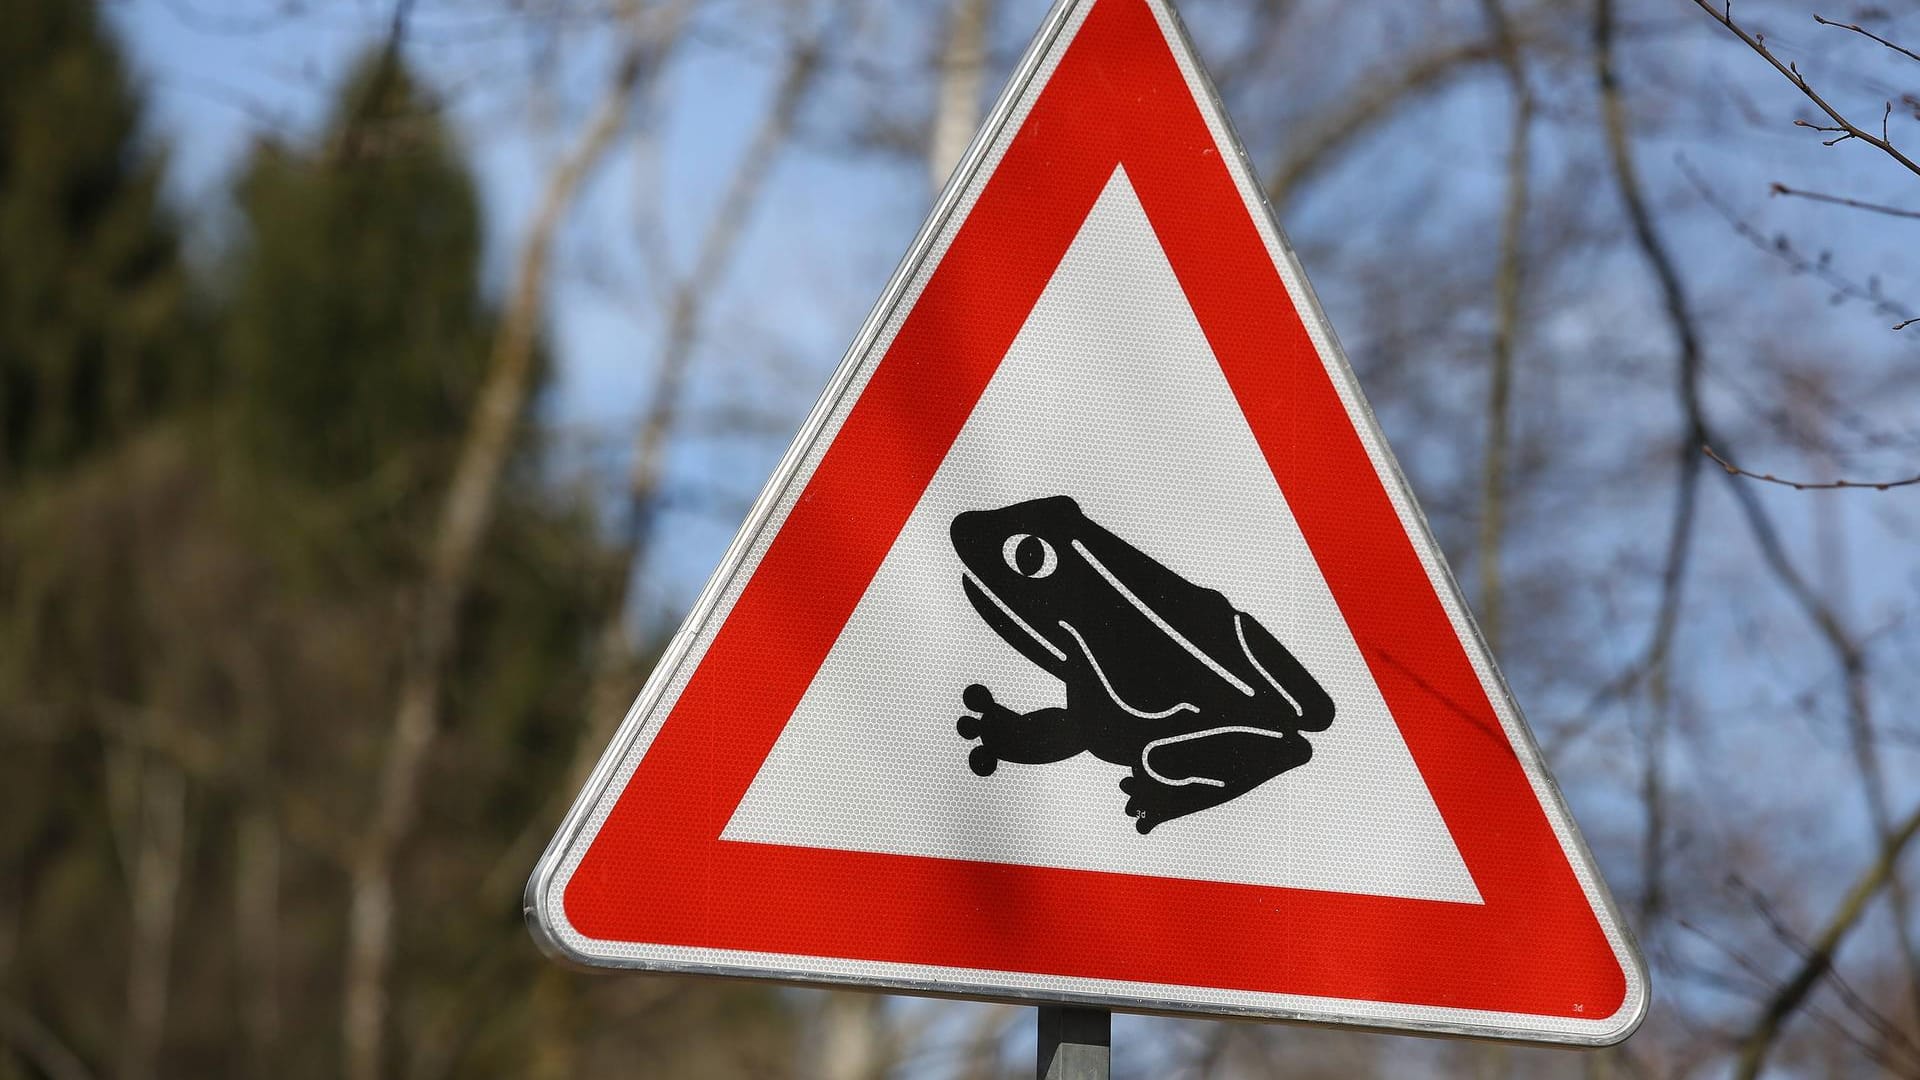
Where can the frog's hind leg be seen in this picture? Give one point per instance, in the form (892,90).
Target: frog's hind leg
(1188,773)
(1040,737)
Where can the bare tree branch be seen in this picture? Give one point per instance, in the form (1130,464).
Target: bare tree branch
(39,1046)
(1321,141)
(1844,128)
(686,311)
(1810,485)
(1780,247)
(1841,200)
(465,516)
(1851,998)
(1852,658)
(1759,986)
(1506,322)
(1652,665)
(1846,651)
(1822,949)
(1864,32)
(611,686)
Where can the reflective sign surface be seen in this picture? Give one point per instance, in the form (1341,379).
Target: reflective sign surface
(1088,645)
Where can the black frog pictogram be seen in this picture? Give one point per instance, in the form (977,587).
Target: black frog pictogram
(1162,676)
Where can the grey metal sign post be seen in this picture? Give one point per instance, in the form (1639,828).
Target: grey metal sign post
(1075,1044)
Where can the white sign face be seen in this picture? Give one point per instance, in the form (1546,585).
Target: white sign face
(1126,375)
(1089,647)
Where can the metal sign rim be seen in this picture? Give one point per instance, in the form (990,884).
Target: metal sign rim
(539,917)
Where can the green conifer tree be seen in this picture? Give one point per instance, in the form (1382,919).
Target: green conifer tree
(93,296)
(356,334)
(199,620)
(95,328)
(357,338)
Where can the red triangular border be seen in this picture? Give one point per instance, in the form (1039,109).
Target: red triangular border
(657,871)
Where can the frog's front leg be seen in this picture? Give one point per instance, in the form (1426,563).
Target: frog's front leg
(1184,774)
(1039,737)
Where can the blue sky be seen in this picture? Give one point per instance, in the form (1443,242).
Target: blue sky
(822,245)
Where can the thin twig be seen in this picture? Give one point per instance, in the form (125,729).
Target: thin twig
(1727,983)
(1746,964)
(1810,485)
(1839,409)
(1780,247)
(1783,932)
(1841,200)
(1321,141)
(1845,128)
(1864,32)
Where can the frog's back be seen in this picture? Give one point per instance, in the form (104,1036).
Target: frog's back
(1251,676)
(1274,671)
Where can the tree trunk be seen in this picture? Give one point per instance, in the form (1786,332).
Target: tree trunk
(464,517)
(612,687)
(1506,328)
(852,1037)
(256,904)
(963,71)
(158,867)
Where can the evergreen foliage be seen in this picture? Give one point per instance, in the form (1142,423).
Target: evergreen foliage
(206,565)
(94,302)
(356,336)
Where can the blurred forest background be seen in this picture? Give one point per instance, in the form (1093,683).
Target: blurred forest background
(380,380)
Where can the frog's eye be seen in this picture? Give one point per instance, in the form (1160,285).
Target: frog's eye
(1029,556)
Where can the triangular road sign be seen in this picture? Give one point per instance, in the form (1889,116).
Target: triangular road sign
(1088,645)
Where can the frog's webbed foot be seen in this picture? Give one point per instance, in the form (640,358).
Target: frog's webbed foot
(1151,803)
(979,701)
(1136,807)
(981,759)
(1035,738)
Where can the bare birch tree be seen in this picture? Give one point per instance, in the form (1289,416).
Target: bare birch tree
(963,72)
(464,518)
(158,869)
(686,307)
